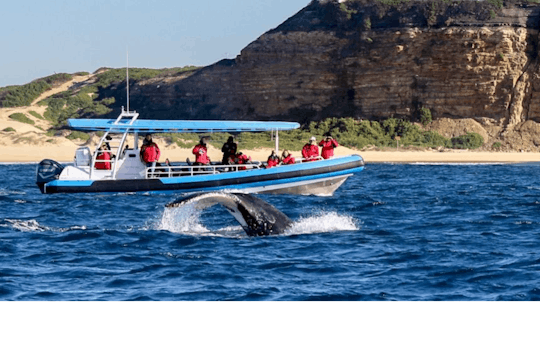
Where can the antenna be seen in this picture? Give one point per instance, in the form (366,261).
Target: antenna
(127,77)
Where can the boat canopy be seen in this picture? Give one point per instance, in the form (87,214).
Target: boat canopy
(177,126)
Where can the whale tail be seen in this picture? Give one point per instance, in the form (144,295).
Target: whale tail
(256,216)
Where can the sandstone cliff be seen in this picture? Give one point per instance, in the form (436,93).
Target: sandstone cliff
(367,59)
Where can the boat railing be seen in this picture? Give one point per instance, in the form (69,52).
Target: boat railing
(167,171)
(303,160)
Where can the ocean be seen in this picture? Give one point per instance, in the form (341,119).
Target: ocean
(408,232)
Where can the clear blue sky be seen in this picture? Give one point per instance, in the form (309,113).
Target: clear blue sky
(39,38)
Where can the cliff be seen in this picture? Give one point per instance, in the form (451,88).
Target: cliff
(368,59)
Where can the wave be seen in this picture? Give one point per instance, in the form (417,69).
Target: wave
(458,164)
(34,226)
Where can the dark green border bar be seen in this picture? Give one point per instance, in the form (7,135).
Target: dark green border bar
(269,319)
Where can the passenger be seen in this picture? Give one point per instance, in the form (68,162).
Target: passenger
(328,144)
(273,160)
(109,146)
(201,153)
(103,154)
(228,149)
(287,158)
(150,153)
(310,151)
(242,159)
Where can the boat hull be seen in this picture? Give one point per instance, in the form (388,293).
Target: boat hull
(322,177)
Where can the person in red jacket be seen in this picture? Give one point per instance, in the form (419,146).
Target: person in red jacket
(201,152)
(103,154)
(273,160)
(328,144)
(150,153)
(287,158)
(242,159)
(310,151)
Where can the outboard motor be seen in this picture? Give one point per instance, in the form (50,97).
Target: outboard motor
(48,170)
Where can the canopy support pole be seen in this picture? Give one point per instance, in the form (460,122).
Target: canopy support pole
(277,142)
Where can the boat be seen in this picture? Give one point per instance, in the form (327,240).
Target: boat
(128,173)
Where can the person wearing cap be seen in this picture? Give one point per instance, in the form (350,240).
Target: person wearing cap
(310,151)
(328,144)
(201,152)
(287,158)
(150,152)
(228,149)
(273,160)
(103,158)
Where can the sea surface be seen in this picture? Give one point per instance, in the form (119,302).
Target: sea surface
(408,232)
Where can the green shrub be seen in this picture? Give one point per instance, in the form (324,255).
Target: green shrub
(35,114)
(9,129)
(496,145)
(367,24)
(20,117)
(24,95)
(471,140)
(78,135)
(425,116)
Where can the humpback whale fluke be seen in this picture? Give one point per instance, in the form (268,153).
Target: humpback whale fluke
(256,216)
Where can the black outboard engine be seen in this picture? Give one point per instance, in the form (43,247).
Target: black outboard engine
(47,170)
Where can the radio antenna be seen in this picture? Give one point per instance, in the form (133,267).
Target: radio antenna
(127,77)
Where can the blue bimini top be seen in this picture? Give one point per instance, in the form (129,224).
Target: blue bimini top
(178,126)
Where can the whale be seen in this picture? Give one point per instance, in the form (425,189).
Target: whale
(256,216)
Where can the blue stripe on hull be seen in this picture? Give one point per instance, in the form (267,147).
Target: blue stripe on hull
(230,180)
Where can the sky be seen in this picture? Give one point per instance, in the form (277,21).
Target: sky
(39,38)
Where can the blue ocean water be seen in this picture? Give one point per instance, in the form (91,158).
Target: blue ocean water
(392,232)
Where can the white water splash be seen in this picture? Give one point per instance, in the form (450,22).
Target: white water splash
(323,223)
(34,226)
(27,225)
(183,220)
(186,220)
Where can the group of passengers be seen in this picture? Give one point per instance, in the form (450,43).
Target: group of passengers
(310,152)
(150,154)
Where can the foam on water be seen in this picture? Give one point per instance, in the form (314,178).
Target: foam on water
(323,223)
(26,225)
(34,226)
(187,220)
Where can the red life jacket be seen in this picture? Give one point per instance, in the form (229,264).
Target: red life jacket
(201,157)
(151,153)
(288,160)
(242,159)
(103,165)
(272,161)
(310,151)
(328,148)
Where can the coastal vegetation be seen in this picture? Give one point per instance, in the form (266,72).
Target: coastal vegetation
(78,135)
(24,95)
(9,129)
(86,101)
(350,132)
(20,117)
(35,114)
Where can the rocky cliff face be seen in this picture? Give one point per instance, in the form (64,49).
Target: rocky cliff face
(365,59)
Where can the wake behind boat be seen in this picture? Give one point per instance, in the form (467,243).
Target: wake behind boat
(127,173)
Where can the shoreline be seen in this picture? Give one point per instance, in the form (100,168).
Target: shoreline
(66,151)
